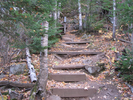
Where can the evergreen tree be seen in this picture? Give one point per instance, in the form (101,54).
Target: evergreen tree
(26,15)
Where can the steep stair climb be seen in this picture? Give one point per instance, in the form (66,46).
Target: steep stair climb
(69,61)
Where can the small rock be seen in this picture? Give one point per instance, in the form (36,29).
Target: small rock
(84,36)
(87,62)
(54,97)
(17,68)
(93,69)
(75,60)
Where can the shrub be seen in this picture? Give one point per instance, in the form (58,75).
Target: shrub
(125,66)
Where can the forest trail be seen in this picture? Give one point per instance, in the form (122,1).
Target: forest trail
(69,62)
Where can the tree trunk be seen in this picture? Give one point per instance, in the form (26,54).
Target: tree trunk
(132,37)
(43,75)
(40,87)
(58,13)
(114,19)
(80,16)
(55,12)
(85,21)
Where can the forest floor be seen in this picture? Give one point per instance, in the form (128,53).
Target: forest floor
(109,86)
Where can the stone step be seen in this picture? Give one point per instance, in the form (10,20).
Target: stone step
(69,67)
(75,53)
(74,92)
(67,77)
(80,42)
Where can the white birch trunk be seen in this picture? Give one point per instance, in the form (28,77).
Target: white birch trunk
(43,75)
(114,19)
(64,25)
(30,66)
(55,12)
(58,13)
(80,16)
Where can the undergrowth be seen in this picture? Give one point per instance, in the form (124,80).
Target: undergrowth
(125,65)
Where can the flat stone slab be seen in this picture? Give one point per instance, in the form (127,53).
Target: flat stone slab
(67,77)
(75,53)
(74,92)
(69,67)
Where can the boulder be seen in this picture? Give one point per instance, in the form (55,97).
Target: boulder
(53,97)
(17,68)
(93,69)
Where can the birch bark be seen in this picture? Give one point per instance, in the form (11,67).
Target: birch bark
(30,66)
(40,87)
(80,15)
(114,19)
(43,75)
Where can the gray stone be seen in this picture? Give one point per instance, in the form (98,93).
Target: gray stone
(17,68)
(75,60)
(54,97)
(93,69)
(87,62)
(85,36)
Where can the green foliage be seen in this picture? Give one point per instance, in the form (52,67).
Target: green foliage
(21,22)
(98,25)
(125,14)
(126,66)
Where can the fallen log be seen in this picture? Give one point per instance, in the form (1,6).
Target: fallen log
(58,57)
(16,84)
(30,66)
(75,53)
(125,41)
(80,42)
(71,48)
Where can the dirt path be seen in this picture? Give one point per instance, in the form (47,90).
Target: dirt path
(63,67)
